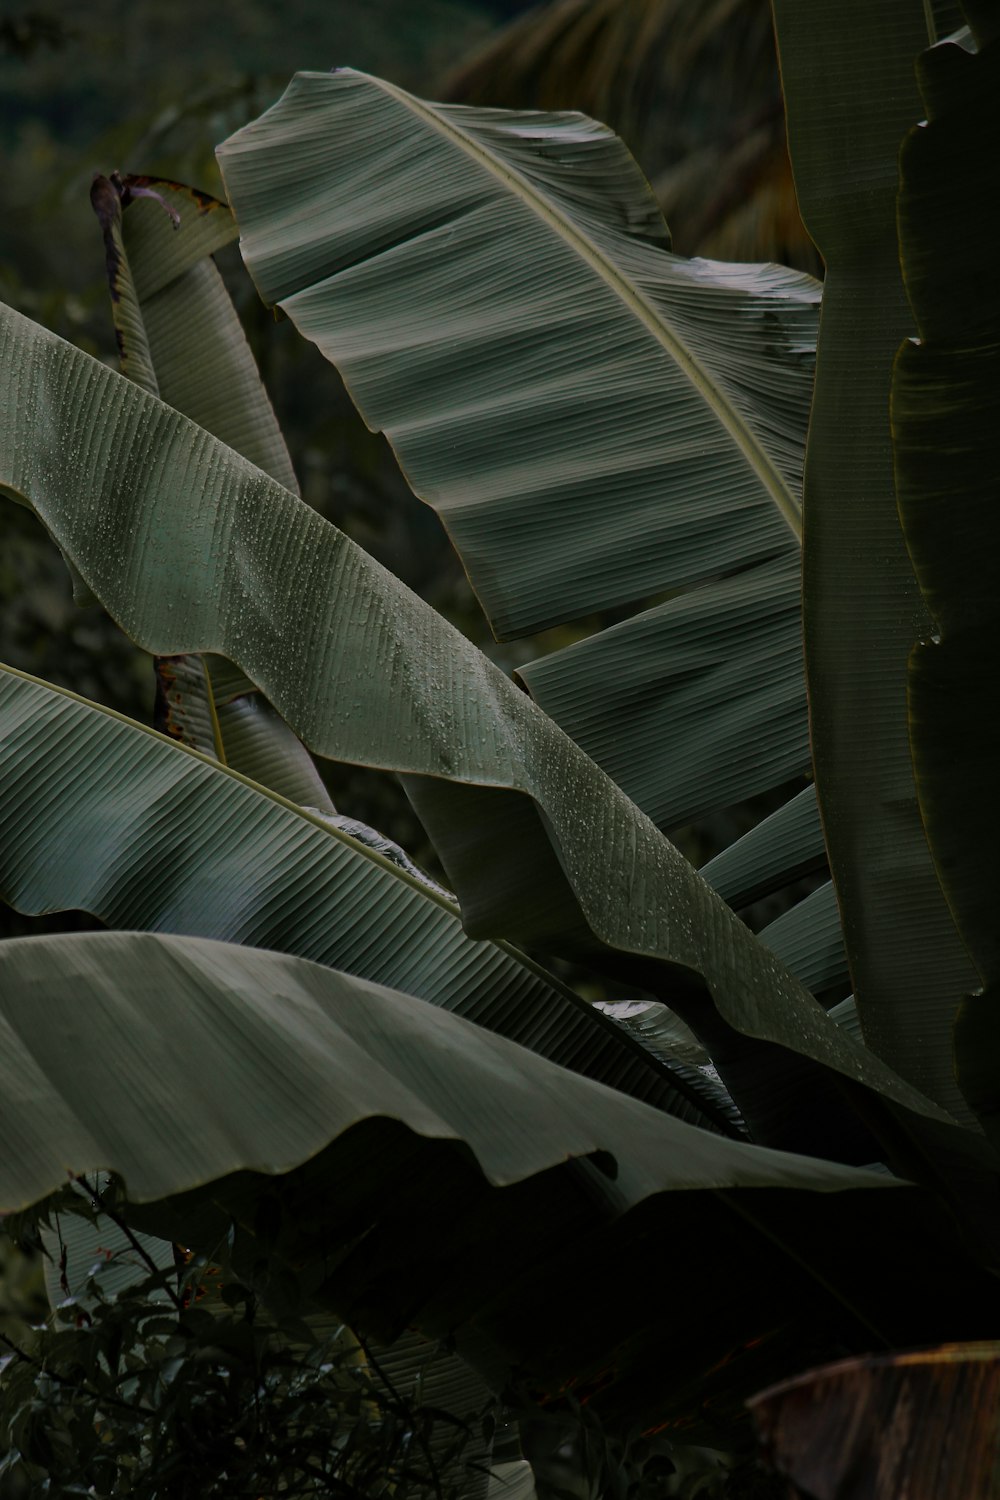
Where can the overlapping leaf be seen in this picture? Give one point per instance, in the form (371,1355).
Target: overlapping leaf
(107,817)
(595,421)
(193,549)
(184,1064)
(738,641)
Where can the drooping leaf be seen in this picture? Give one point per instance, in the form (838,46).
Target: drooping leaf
(853,65)
(104,816)
(183,1064)
(192,549)
(188,1053)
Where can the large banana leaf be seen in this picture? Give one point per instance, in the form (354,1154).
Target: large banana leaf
(945,402)
(193,549)
(848,77)
(595,419)
(104,816)
(245,731)
(178,1062)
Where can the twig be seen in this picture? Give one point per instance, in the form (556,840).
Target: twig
(140,1249)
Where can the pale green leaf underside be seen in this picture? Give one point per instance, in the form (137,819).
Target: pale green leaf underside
(102,815)
(192,549)
(178,1061)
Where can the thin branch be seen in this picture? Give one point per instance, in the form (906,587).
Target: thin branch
(79,1386)
(140,1249)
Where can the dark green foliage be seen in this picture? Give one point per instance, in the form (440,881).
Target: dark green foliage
(182,1384)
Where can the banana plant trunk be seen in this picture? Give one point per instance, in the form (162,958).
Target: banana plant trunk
(917,1426)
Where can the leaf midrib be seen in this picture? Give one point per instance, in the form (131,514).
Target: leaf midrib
(729,417)
(627,1040)
(429,893)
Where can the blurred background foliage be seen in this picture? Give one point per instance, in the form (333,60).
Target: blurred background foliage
(692,86)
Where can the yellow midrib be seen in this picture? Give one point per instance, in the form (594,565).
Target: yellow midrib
(743,435)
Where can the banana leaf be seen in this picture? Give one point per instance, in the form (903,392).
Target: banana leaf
(850,94)
(808,939)
(193,549)
(781,848)
(107,817)
(213,1078)
(595,419)
(759,612)
(945,401)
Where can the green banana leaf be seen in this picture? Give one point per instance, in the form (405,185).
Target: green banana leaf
(202,1072)
(229,717)
(848,78)
(945,400)
(595,419)
(659,680)
(192,549)
(105,816)
(249,736)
